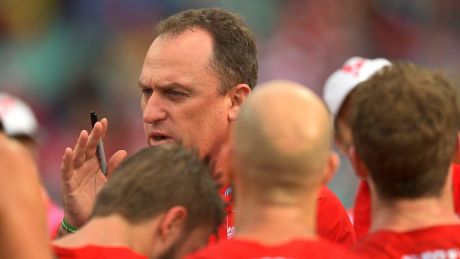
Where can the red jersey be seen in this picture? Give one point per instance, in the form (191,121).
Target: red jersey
(333,221)
(456,187)
(362,210)
(241,249)
(432,242)
(93,252)
(362,206)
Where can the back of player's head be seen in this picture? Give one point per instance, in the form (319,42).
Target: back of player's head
(338,92)
(282,140)
(17,118)
(158,178)
(404,121)
(341,83)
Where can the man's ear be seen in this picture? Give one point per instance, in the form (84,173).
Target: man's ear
(332,164)
(237,97)
(457,150)
(357,163)
(172,224)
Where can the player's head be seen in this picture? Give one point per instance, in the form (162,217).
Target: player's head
(170,185)
(282,143)
(19,121)
(199,69)
(234,53)
(338,92)
(404,121)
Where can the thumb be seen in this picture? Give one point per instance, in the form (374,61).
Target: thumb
(115,161)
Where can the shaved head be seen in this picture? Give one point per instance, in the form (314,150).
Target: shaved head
(282,140)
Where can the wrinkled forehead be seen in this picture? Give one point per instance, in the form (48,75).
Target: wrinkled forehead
(189,50)
(191,46)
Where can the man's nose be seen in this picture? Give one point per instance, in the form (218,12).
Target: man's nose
(154,110)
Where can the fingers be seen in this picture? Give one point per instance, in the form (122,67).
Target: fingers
(66,165)
(93,139)
(115,161)
(80,148)
(105,126)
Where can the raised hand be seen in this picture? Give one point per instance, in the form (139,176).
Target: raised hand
(81,175)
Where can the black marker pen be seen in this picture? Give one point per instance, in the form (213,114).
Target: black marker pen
(100,147)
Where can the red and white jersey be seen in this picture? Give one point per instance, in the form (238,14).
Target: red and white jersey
(334,223)
(94,252)
(362,206)
(433,242)
(242,249)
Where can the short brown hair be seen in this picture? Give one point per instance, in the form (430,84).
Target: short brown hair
(404,121)
(234,47)
(158,178)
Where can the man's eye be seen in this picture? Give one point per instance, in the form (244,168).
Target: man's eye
(174,93)
(147,91)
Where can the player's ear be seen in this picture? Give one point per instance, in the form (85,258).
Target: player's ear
(237,96)
(357,163)
(172,223)
(332,164)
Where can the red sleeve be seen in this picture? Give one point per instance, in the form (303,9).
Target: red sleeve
(333,221)
(362,210)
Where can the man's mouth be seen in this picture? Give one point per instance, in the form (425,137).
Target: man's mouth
(159,139)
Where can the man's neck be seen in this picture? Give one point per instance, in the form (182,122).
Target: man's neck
(412,214)
(220,163)
(258,221)
(110,231)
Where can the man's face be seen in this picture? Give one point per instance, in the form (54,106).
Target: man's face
(344,137)
(180,93)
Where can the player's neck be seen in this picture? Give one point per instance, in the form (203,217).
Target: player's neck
(219,162)
(258,221)
(411,214)
(110,231)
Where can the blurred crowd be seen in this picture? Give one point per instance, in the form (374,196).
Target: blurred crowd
(66,58)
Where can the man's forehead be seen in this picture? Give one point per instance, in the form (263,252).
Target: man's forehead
(185,59)
(198,38)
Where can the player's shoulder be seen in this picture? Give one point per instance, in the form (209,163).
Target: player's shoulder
(294,249)
(92,251)
(391,244)
(222,249)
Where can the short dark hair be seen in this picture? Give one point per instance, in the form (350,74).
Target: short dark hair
(404,123)
(234,47)
(157,178)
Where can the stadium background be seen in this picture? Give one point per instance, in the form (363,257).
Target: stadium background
(68,57)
